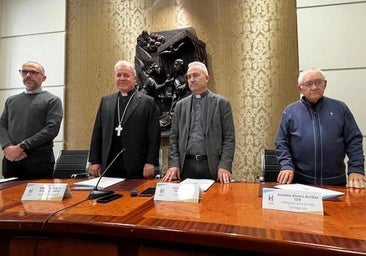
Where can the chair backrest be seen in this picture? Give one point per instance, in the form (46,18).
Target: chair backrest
(71,164)
(270,166)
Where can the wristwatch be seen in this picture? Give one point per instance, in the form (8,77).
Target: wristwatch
(23,146)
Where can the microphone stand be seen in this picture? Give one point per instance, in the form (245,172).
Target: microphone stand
(96,193)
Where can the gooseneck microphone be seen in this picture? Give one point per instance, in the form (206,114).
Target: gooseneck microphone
(96,193)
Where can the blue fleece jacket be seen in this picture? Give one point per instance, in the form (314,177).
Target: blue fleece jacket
(313,140)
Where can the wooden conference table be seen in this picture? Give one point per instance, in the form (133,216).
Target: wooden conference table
(228,220)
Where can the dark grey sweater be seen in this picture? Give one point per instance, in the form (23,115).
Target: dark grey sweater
(32,118)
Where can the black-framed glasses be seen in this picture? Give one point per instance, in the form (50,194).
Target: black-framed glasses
(317,83)
(24,72)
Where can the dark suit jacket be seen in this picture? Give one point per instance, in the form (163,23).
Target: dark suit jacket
(219,134)
(140,135)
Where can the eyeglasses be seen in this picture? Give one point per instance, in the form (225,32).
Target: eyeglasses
(24,72)
(317,83)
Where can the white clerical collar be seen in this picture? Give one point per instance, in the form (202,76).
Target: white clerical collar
(124,94)
(199,96)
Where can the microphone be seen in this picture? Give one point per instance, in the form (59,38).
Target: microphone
(95,193)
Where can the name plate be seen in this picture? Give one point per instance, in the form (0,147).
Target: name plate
(46,192)
(292,200)
(177,192)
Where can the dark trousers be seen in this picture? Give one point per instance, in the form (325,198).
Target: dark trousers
(38,164)
(118,169)
(195,169)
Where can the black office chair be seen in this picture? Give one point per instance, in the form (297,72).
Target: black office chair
(71,164)
(270,166)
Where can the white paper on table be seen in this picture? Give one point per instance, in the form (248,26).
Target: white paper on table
(104,182)
(326,193)
(204,184)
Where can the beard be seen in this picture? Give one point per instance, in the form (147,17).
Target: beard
(30,84)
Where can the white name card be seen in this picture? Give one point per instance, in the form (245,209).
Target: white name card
(292,200)
(45,191)
(177,192)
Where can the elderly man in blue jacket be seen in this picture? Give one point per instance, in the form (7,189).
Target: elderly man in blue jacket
(315,135)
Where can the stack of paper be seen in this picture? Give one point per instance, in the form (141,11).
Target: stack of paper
(326,193)
(104,182)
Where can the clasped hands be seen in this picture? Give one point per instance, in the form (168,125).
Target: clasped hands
(14,153)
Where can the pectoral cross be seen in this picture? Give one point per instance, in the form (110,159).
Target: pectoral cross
(119,129)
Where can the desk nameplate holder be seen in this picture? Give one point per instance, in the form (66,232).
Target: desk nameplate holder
(46,192)
(292,200)
(177,192)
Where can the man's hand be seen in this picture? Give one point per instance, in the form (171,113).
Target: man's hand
(171,174)
(285,176)
(149,171)
(223,175)
(356,180)
(95,169)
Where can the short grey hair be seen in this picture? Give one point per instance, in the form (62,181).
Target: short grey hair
(308,71)
(201,65)
(126,63)
(36,63)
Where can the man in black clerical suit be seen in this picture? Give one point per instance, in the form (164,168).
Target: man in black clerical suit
(127,121)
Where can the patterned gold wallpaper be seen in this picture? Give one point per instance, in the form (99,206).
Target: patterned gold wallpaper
(252,58)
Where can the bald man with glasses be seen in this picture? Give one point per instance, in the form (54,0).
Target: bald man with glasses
(29,123)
